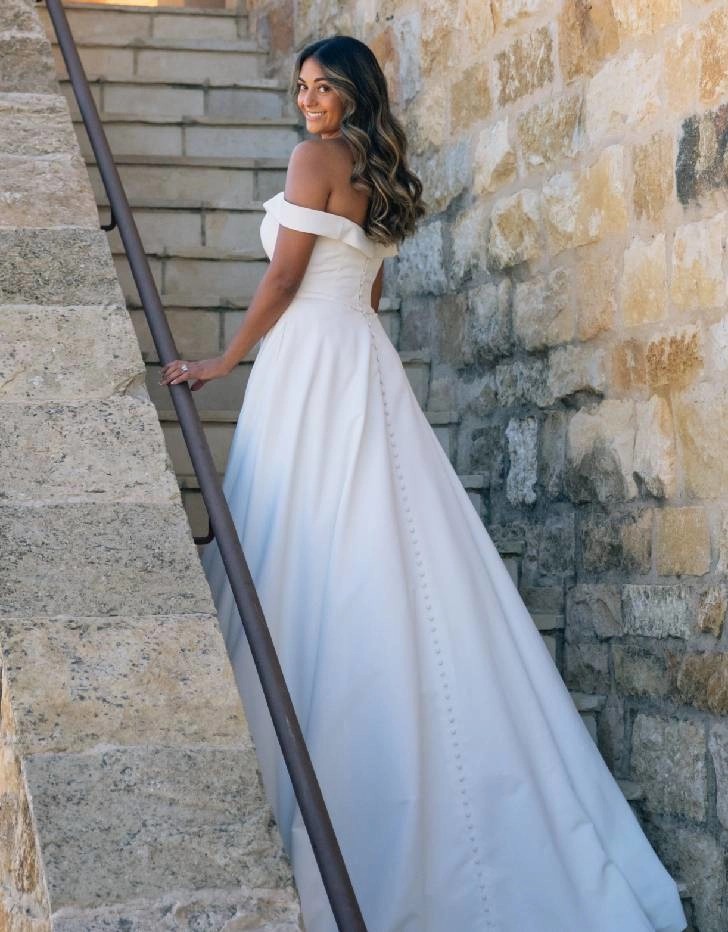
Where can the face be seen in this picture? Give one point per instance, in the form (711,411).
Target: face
(318,101)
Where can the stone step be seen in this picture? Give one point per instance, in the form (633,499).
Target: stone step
(195,181)
(203,325)
(129,23)
(232,137)
(167,228)
(213,62)
(250,99)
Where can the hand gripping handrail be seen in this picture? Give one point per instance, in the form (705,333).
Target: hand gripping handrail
(306,787)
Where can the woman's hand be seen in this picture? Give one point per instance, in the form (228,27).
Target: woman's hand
(198,373)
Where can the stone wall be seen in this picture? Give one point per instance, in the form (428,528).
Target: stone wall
(570,279)
(129,796)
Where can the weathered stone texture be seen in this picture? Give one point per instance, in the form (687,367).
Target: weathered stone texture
(700,418)
(543,310)
(514,235)
(668,759)
(714,56)
(42,193)
(658,611)
(644,281)
(712,609)
(550,132)
(718,744)
(595,295)
(600,453)
(698,279)
(645,17)
(99,559)
(683,542)
(35,124)
(582,208)
(593,610)
(616,542)
(624,94)
(525,65)
(654,467)
(489,335)
(653,164)
(522,436)
(703,681)
(675,358)
(494,161)
(26,65)
(59,354)
(588,34)
(641,672)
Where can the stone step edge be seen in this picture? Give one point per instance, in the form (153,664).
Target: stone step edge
(189,483)
(221,46)
(169,416)
(151,10)
(158,119)
(204,253)
(199,161)
(158,204)
(205,301)
(249,84)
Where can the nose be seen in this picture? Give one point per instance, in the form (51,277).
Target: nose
(308,97)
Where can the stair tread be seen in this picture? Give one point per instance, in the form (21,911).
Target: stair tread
(198,161)
(154,10)
(159,119)
(200,301)
(248,84)
(190,483)
(169,415)
(232,46)
(204,253)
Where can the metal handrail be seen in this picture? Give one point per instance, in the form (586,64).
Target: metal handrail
(310,800)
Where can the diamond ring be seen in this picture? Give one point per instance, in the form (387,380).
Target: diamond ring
(185,367)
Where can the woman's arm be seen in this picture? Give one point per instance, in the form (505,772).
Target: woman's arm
(307,185)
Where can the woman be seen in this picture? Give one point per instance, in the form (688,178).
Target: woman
(465,790)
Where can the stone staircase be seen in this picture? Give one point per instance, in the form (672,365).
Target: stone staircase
(201,136)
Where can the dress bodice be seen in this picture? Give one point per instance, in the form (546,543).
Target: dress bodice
(344,261)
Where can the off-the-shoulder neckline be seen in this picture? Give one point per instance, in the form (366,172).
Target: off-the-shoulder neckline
(315,210)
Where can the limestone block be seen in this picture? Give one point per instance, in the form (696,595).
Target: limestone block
(658,611)
(514,235)
(595,292)
(668,760)
(57,267)
(522,437)
(698,279)
(543,310)
(654,183)
(427,118)
(41,193)
(267,910)
(712,608)
(506,12)
(700,417)
(26,64)
(713,39)
(683,542)
(470,98)
(703,681)
(574,368)
(494,160)
(555,543)
(524,66)
(115,825)
(551,131)
(523,382)
(640,672)
(675,358)
(654,466)
(586,666)
(694,855)
(35,124)
(175,26)
(551,453)
(99,559)
(717,347)
(616,541)
(644,281)
(472,25)
(682,69)
(421,265)
(469,234)
(718,744)
(625,93)
(445,172)
(645,17)
(66,354)
(108,450)
(629,366)
(17,16)
(600,453)
(77,683)
(489,308)
(582,208)
(588,34)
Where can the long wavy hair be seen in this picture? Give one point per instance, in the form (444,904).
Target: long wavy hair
(375,136)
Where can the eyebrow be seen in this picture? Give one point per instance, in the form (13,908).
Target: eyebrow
(315,79)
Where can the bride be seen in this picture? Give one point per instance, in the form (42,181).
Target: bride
(464,788)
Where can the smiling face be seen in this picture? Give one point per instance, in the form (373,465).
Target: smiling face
(318,101)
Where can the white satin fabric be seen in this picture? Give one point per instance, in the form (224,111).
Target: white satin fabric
(465,790)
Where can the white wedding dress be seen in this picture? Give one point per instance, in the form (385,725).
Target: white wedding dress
(464,788)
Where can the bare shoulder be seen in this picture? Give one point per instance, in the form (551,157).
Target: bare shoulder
(316,168)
